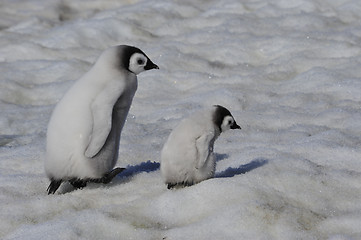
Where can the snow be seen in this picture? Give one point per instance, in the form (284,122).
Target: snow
(288,70)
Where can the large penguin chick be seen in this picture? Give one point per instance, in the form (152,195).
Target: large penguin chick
(85,127)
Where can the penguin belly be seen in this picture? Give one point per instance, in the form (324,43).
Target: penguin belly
(67,136)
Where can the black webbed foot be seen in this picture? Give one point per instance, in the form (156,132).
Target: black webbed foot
(171,185)
(78,183)
(81,183)
(108,177)
(179,185)
(53,186)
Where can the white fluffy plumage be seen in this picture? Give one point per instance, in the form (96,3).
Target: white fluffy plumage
(84,129)
(187,156)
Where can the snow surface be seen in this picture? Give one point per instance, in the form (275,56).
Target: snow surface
(289,71)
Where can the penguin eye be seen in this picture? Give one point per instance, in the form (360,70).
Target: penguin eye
(229,122)
(140,61)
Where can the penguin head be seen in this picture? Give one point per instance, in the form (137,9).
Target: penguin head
(229,123)
(134,60)
(223,119)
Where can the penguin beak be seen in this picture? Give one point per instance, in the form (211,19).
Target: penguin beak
(235,126)
(150,65)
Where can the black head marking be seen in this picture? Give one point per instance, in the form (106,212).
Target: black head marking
(219,114)
(125,52)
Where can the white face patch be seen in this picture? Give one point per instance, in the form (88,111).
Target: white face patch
(227,123)
(137,63)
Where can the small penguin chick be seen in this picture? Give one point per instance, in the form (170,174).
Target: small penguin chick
(187,156)
(85,127)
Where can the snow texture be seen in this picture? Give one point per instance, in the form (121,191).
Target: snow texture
(288,70)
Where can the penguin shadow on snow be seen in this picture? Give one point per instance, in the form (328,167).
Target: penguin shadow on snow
(123,177)
(131,171)
(231,172)
(149,166)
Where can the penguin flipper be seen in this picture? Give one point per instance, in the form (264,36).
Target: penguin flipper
(203,149)
(101,128)
(53,186)
(102,109)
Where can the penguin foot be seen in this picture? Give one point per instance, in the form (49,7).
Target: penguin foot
(81,183)
(53,186)
(171,185)
(179,185)
(78,183)
(108,177)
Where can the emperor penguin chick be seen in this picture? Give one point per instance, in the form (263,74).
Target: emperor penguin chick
(85,127)
(187,156)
